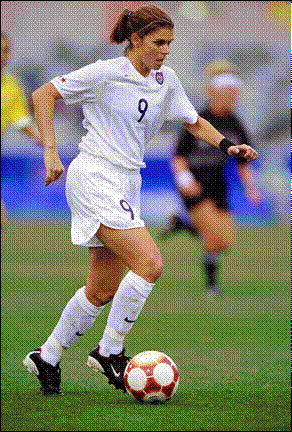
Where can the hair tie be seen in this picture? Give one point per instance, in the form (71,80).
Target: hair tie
(128,14)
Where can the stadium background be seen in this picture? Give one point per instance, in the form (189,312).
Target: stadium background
(233,355)
(58,37)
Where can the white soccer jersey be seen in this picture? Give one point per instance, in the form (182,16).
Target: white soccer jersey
(122,109)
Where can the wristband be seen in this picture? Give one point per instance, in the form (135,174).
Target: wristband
(184,178)
(225,144)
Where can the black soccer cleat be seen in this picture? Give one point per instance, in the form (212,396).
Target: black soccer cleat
(113,367)
(48,375)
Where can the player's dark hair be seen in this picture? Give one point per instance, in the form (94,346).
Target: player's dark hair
(143,21)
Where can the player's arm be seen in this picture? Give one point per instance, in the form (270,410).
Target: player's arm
(204,131)
(44,103)
(184,179)
(246,176)
(31,131)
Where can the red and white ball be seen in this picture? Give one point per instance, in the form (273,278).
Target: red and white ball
(151,376)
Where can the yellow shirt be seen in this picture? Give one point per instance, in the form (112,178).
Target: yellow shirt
(14,108)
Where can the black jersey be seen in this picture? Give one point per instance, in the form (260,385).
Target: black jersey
(206,162)
(201,154)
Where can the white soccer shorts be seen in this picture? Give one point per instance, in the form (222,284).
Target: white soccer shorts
(99,192)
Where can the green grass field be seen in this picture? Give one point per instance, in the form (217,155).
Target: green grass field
(233,354)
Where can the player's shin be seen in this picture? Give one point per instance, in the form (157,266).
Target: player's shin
(76,319)
(127,304)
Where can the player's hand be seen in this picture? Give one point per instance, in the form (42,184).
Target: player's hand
(254,195)
(243,150)
(54,167)
(194,189)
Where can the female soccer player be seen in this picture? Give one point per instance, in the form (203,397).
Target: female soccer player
(125,102)
(198,170)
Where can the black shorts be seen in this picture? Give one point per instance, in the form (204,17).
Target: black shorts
(214,186)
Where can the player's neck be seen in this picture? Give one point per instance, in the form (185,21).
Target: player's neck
(139,65)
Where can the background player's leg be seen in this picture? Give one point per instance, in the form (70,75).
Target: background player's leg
(215,226)
(216,230)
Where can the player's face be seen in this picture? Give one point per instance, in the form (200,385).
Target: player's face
(4,52)
(154,47)
(225,96)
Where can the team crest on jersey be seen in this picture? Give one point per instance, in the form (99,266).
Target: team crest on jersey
(159,77)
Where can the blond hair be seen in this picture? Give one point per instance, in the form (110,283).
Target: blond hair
(221,66)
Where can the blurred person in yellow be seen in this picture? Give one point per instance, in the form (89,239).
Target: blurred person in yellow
(199,173)
(14,108)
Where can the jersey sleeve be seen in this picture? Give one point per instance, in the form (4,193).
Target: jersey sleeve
(80,85)
(179,107)
(19,114)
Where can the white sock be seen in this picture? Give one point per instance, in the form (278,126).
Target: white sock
(52,350)
(126,307)
(77,317)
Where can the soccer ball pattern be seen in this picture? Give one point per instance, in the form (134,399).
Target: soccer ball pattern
(151,376)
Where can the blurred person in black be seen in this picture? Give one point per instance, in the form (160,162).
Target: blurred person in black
(198,171)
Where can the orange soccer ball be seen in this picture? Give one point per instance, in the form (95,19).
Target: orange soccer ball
(151,376)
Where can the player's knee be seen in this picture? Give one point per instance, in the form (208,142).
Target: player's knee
(212,244)
(212,241)
(157,268)
(227,241)
(154,267)
(99,291)
(151,268)
(218,241)
(226,244)
(98,297)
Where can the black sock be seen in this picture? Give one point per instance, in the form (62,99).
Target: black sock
(211,264)
(211,270)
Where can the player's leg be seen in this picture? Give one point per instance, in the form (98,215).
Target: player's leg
(138,250)
(140,253)
(215,227)
(105,273)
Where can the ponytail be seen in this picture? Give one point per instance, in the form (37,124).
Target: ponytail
(121,31)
